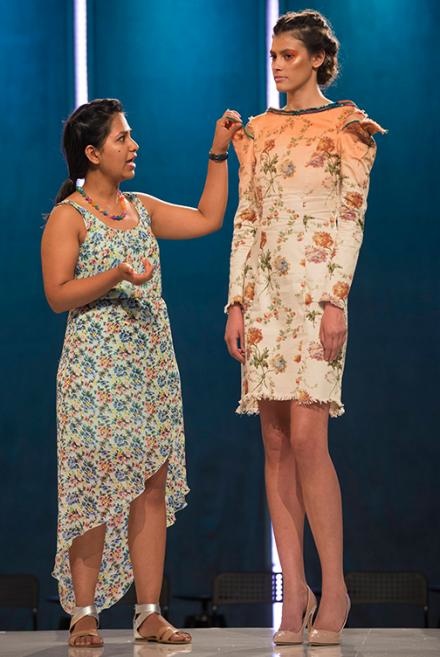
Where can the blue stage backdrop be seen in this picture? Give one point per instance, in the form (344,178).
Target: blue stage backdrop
(36,78)
(176,66)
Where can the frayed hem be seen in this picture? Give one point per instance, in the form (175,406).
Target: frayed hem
(249,405)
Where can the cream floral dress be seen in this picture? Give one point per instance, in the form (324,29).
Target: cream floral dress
(304,178)
(119,405)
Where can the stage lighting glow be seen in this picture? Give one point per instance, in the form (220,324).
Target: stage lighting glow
(80,41)
(272,13)
(276,568)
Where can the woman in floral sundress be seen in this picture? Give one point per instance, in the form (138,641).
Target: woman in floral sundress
(121,461)
(304,175)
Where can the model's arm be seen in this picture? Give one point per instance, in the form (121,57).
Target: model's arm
(176,222)
(243,236)
(358,150)
(60,246)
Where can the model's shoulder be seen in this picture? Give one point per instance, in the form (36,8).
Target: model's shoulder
(256,125)
(259,118)
(346,108)
(260,121)
(351,118)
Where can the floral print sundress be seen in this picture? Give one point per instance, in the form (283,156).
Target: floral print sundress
(304,178)
(119,407)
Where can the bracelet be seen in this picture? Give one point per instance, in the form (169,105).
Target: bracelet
(218,157)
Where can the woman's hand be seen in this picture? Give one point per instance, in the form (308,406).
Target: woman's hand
(333,331)
(225,128)
(128,274)
(234,333)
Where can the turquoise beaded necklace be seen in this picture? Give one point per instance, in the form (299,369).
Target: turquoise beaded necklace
(116,217)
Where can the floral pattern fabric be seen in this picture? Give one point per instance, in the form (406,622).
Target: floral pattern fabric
(304,179)
(119,410)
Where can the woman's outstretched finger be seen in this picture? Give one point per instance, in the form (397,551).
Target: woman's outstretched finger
(232,120)
(233,114)
(148,269)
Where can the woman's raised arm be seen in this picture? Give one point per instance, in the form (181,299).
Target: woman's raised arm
(175,222)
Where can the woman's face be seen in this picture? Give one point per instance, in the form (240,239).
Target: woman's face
(116,157)
(292,65)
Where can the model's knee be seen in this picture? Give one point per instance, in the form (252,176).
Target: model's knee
(308,447)
(275,445)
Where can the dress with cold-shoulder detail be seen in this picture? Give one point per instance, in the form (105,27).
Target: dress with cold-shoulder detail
(119,407)
(304,179)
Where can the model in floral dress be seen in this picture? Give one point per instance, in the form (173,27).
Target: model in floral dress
(121,461)
(304,178)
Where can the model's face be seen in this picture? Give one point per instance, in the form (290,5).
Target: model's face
(116,157)
(292,65)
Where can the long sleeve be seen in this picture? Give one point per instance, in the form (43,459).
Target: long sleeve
(357,151)
(245,217)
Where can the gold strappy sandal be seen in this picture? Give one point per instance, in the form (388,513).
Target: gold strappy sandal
(165,633)
(82,612)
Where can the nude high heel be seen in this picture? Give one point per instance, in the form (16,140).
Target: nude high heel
(318,637)
(287,637)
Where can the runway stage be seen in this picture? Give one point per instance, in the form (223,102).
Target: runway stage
(233,642)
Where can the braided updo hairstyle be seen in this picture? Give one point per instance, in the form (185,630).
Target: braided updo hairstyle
(88,125)
(314,30)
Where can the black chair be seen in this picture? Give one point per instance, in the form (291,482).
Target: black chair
(389,587)
(130,597)
(247,588)
(20,592)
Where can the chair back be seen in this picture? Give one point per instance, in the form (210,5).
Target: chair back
(389,587)
(247,588)
(20,591)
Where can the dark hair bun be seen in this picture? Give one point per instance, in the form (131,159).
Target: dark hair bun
(315,31)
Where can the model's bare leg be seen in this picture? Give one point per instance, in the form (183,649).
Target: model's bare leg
(147,539)
(322,500)
(286,507)
(85,557)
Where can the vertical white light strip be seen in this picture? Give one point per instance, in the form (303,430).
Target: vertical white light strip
(276,568)
(272,13)
(80,45)
(272,100)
